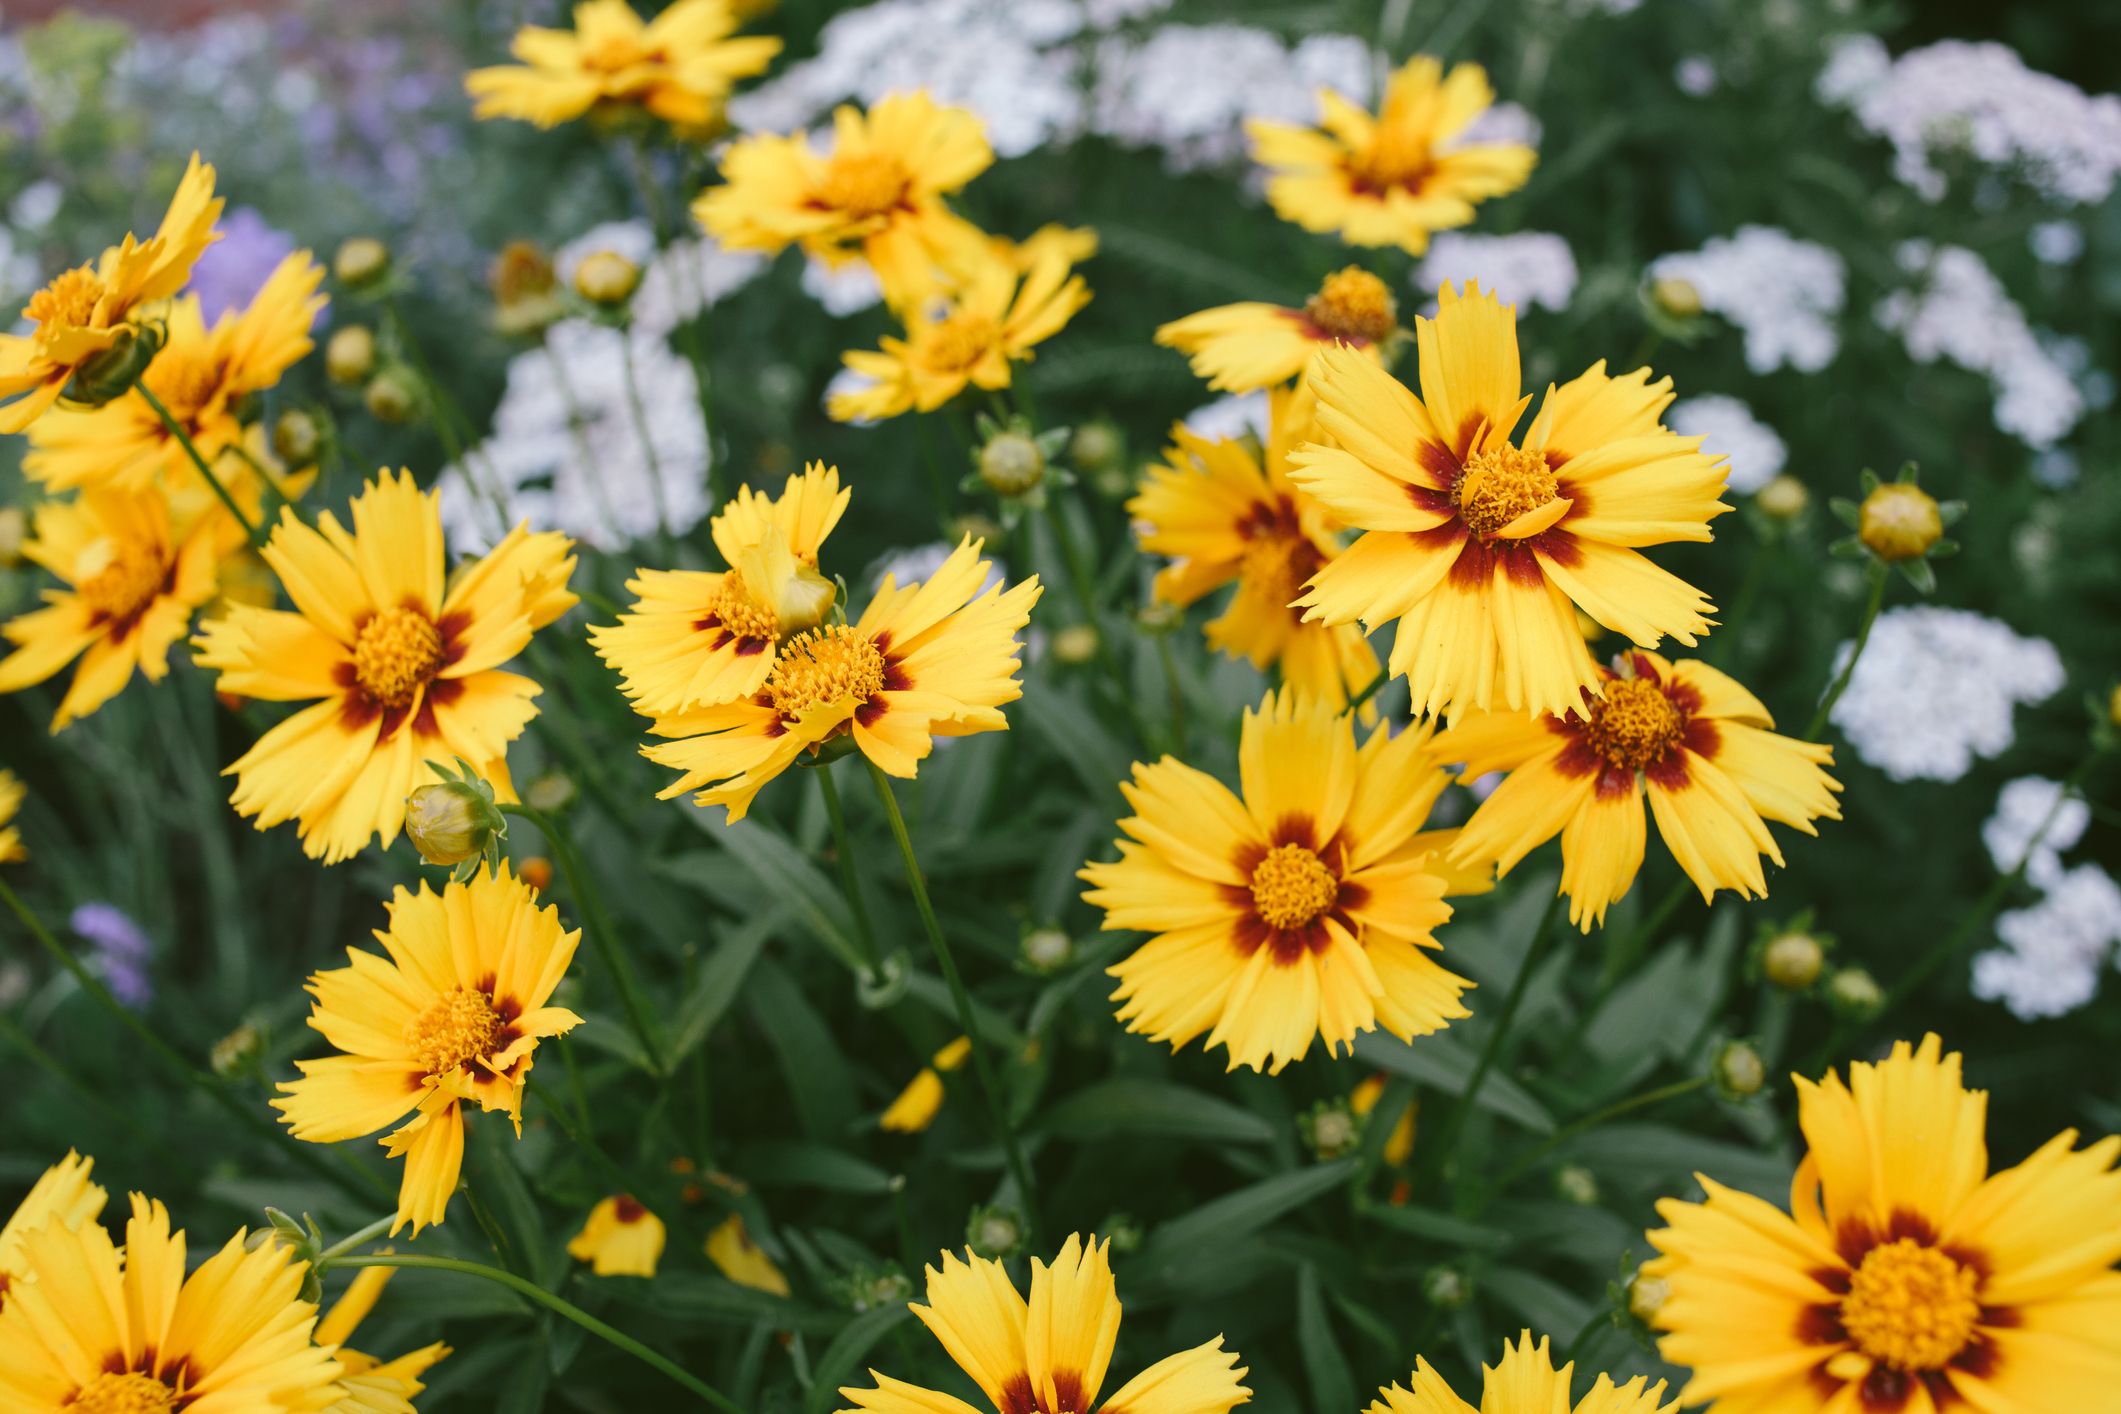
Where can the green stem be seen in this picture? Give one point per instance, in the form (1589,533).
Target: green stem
(1085,588)
(355,1239)
(559,1306)
(191,450)
(1879,574)
(982,1064)
(1377,683)
(843,849)
(1741,603)
(1535,952)
(1169,662)
(1592,1121)
(646,433)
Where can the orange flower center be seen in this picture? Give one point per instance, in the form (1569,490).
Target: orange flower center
(960,340)
(833,664)
(1501,484)
(70,298)
(110,1393)
(128,582)
(741,615)
(1911,1306)
(396,653)
(460,1027)
(1280,565)
(1291,886)
(186,385)
(617,51)
(1390,161)
(1355,305)
(863,184)
(1634,724)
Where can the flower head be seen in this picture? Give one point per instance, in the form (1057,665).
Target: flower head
(620,1238)
(917,1105)
(742,1260)
(373,1386)
(679,66)
(1682,734)
(1049,1355)
(450,1014)
(1905,1276)
(1239,347)
(1395,177)
(1524,1381)
(62,1194)
(1482,547)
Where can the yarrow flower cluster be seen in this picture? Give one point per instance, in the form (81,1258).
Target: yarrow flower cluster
(2053,951)
(1526,268)
(1728,429)
(1786,294)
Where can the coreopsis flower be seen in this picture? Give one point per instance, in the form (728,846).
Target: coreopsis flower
(1053,1351)
(925,660)
(1906,1276)
(1303,910)
(1226,513)
(86,322)
(1482,548)
(202,375)
(1253,344)
(403,661)
(1398,176)
(698,637)
(1073,244)
(62,1194)
(877,196)
(1399,1145)
(373,1386)
(133,577)
(620,1238)
(969,339)
(743,1261)
(451,1014)
(11,793)
(92,1328)
(679,66)
(1686,736)
(917,1105)
(1524,1381)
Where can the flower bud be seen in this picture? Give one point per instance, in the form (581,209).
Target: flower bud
(1646,1297)
(350,355)
(1123,1232)
(550,792)
(112,373)
(1853,993)
(536,871)
(2113,700)
(296,437)
(237,1052)
(1446,1288)
(1330,1129)
(1784,498)
(361,260)
(1574,1183)
(14,530)
(1011,464)
(1675,297)
(1048,949)
(391,395)
(1075,645)
(995,1231)
(1793,961)
(1737,1072)
(451,821)
(1900,521)
(1097,446)
(606,278)
(1159,617)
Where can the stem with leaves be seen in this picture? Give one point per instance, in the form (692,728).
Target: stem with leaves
(843,853)
(176,430)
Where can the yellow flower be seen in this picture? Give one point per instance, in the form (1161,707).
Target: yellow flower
(1399,176)
(1481,548)
(1226,514)
(743,1261)
(678,66)
(1683,734)
(85,320)
(1524,1381)
(924,660)
(11,851)
(916,1106)
(407,664)
(1303,911)
(1239,347)
(373,1386)
(453,1012)
(132,583)
(62,1194)
(971,338)
(696,638)
(1052,1352)
(1399,1145)
(202,375)
(878,196)
(1072,244)
(620,1239)
(93,1329)
(1906,1276)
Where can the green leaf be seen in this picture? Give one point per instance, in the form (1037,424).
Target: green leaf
(796,1164)
(1332,1389)
(1444,1064)
(1537,1302)
(1073,733)
(1666,1159)
(805,1048)
(844,1355)
(783,874)
(1436,1226)
(1221,1222)
(719,983)
(1156,1108)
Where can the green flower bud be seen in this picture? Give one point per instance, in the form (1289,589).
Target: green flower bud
(361,260)
(350,355)
(1784,498)
(391,395)
(296,437)
(1446,1288)
(1097,446)
(1900,521)
(1793,961)
(1011,464)
(606,278)
(1075,645)
(1853,993)
(1646,1297)
(995,1231)
(448,822)
(1048,949)
(1574,1183)
(1737,1071)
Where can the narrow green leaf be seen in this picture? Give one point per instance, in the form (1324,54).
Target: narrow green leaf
(1444,1064)
(1153,1107)
(844,1356)
(1332,1388)
(1221,1222)
(804,1048)
(1073,733)
(812,1166)
(719,982)
(1437,1227)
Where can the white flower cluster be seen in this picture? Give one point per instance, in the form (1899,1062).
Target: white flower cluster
(573,449)
(1936,688)
(1785,293)
(1959,312)
(1728,429)
(1527,268)
(2053,952)
(1981,100)
(2036,822)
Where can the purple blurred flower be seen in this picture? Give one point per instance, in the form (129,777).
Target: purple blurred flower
(234,268)
(119,951)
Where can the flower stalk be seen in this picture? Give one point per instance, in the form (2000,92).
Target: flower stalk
(191,450)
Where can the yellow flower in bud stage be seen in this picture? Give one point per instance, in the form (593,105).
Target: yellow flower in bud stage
(350,355)
(1052,1352)
(1239,347)
(1482,548)
(373,1386)
(451,1014)
(1303,911)
(743,1261)
(696,638)
(133,578)
(89,312)
(1226,513)
(917,1105)
(1524,1381)
(95,1328)
(62,1194)
(201,376)
(1905,1276)
(970,339)
(400,662)
(360,260)
(878,195)
(620,1239)
(925,660)
(1396,177)
(1900,521)
(1688,737)
(605,277)
(679,66)
(1784,498)
(11,793)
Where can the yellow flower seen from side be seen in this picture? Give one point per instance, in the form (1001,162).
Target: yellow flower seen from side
(1905,1276)
(918,1104)
(1052,1352)
(399,660)
(679,66)
(131,583)
(620,1238)
(877,196)
(62,1194)
(450,1014)
(971,339)
(1482,548)
(1303,910)
(12,792)
(373,1386)
(86,318)
(697,637)
(1240,347)
(1073,245)
(742,1260)
(924,660)
(1398,176)
(1683,735)
(1226,513)
(1524,1381)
